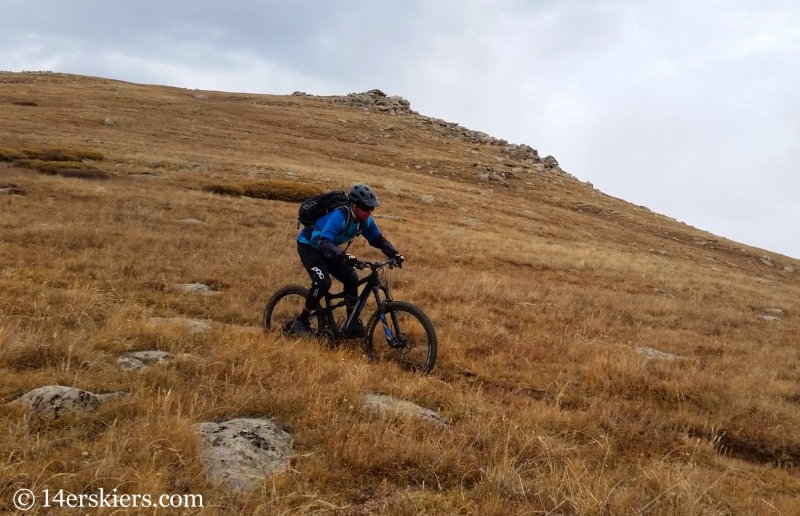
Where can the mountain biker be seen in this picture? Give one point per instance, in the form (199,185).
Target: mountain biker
(318,247)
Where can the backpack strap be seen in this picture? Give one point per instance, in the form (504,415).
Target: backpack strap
(359,226)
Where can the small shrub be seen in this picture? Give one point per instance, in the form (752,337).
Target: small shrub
(273,190)
(88,173)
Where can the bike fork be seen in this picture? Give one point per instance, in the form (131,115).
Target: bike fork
(393,340)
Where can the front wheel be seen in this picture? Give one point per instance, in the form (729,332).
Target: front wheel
(403,334)
(283,308)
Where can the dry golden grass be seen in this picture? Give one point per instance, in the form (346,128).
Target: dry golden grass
(538,300)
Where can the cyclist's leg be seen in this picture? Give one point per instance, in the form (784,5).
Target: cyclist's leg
(317,269)
(349,278)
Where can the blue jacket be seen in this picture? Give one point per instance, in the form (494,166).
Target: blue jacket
(333,229)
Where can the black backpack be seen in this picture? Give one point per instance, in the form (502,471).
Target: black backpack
(318,206)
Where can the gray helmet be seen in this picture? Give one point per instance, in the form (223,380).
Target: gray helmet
(362,195)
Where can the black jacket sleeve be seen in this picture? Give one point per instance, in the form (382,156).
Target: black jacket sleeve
(384,245)
(329,250)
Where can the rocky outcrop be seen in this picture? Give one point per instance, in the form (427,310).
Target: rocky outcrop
(523,153)
(54,400)
(241,453)
(376,100)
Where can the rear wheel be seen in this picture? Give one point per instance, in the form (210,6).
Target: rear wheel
(283,308)
(403,334)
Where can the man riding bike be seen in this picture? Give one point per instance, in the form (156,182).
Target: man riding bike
(318,247)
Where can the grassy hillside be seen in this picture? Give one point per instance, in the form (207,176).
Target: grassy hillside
(542,290)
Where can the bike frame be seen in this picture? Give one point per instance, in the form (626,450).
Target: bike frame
(372,285)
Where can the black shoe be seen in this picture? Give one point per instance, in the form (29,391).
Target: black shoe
(301,327)
(357,330)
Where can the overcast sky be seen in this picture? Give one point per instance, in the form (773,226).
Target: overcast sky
(688,107)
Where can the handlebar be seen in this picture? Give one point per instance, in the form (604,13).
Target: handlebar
(377,265)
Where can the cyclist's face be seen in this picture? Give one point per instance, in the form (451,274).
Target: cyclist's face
(362,214)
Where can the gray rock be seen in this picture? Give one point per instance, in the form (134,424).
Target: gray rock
(788,269)
(773,311)
(550,163)
(241,453)
(109,123)
(769,318)
(654,354)
(197,288)
(456,233)
(469,222)
(145,176)
(193,325)
(190,221)
(428,199)
(11,190)
(388,404)
(53,400)
(140,360)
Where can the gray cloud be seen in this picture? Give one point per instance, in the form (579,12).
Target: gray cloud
(689,108)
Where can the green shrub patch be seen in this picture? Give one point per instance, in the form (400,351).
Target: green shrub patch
(11,155)
(272,190)
(89,173)
(50,154)
(49,167)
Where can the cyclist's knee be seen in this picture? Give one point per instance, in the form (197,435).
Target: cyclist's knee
(322,286)
(350,281)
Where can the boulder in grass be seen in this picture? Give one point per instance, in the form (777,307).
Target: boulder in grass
(654,354)
(241,453)
(388,404)
(54,400)
(197,288)
(193,325)
(11,190)
(141,360)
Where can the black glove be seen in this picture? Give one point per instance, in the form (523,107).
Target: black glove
(398,259)
(350,260)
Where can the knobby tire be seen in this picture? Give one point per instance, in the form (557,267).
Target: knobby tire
(286,304)
(417,329)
